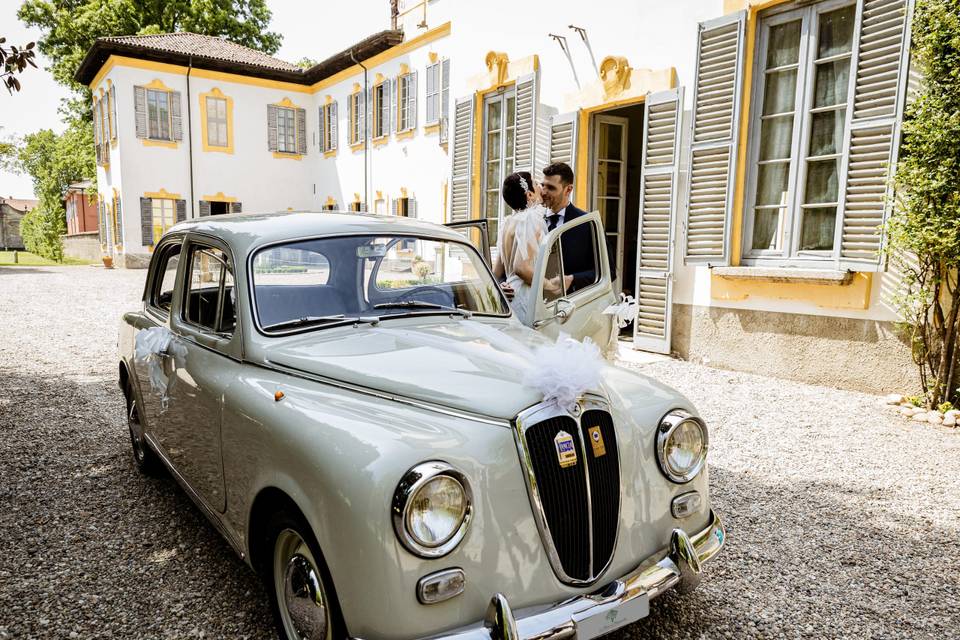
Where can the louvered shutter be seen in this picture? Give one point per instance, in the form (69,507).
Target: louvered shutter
(333,126)
(394,206)
(301,131)
(321,127)
(462,169)
(236,207)
(663,120)
(146,222)
(97,132)
(525,138)
(204,209)
(874,132)
(563,138)
(101,223)
(716,128)
(176,122)
(140,111)
(181,210)
(271,128)
(113,113)
(371,120)
(411,207)
(445,89)
(412,101)
(389,101)
(120,224)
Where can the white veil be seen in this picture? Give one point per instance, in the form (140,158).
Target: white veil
(527,228)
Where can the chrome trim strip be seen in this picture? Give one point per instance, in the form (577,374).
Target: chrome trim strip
(532,416)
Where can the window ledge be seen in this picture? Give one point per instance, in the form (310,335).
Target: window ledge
(782,274)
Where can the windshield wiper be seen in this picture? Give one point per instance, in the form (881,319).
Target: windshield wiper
(420,304)
(312,320)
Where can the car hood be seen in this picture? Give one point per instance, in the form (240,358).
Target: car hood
(469,365)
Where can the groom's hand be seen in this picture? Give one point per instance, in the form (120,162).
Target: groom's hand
(507,290)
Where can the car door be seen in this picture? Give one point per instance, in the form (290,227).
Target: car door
(571,299)
(477,233)
(205,359)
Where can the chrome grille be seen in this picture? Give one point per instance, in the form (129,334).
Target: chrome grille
(577,507)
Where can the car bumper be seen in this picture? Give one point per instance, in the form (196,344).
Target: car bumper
(617,604)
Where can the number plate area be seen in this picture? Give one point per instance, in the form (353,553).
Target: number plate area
(611,617)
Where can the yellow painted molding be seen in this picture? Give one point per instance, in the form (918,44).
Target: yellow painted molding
(162,194)
(381,141)
(101,93)
(330,201)
(855,295)
(287,103)
(405,135)
(356,197)
(357,146)
(637,83)
(378,79)
(287,156)
(357,88)
(379,195)
(403,192)
(155,84)
(330,154)
(216,93)
(433,56)
(498,64)
(431,128)
(219,197)
(404,69)
(166,144)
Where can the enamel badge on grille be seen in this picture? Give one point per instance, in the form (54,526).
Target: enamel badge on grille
(566,452)
(596,440)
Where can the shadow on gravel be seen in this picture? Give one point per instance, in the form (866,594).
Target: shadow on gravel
(6,270)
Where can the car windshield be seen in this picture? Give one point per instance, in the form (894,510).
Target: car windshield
(340,280)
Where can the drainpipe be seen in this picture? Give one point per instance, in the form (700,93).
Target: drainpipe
(366,123)
(190,132)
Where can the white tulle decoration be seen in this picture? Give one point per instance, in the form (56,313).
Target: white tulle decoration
(563,371)
(149,345)
(624,311)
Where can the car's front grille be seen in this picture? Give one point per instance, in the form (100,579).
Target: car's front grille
(579,497)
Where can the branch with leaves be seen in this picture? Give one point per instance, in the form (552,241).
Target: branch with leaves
(14,60)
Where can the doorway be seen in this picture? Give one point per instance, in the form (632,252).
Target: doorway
(219,208)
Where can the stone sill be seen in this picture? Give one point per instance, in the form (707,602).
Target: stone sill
(785,275)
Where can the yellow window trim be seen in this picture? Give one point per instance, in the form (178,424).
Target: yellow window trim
(405,135)
(163,194)
(168,144)
(330,154)
(357,146)
(381,141)
(855,295)
(216,93)
(219,197)
(287,103)
(432,128)
(375,108)
(281,155)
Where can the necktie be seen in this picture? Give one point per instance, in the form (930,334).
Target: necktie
(552,221)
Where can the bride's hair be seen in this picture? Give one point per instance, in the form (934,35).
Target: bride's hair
(513,191)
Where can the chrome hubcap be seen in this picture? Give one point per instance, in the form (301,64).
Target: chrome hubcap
(300,595)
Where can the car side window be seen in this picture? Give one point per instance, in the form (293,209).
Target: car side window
(575,255)
(166,279)
(209,301)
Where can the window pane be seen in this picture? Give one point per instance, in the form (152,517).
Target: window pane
(766,229)
(826,133)
(493,145)
(816,234)
(493,116)
(772,182)
(608,178)
(510,137)
(776,138)
(164,292)
(783,46)
(609,209)
(822,179)
(833,79)
(836,32)
(779,95)
(492,204)
(511,111)
(204,290)
(611,136)
(163,112)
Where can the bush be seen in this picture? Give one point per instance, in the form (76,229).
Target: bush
(41,231)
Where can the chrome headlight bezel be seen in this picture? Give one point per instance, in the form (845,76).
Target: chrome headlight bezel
(412,482)
(668,425)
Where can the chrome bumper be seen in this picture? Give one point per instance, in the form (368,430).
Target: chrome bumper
(679,565)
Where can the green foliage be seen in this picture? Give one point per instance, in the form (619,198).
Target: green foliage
(70,27)
(924,231)
(916,401)
(943,407)
(305,62)
(53,162)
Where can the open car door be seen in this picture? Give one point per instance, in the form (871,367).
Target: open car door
(476,233)
(572,282)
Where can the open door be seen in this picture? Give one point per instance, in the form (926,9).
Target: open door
(572,282)
(476,233)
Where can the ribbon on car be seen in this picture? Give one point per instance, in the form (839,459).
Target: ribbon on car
(149,347)
(623,312)
(565,370)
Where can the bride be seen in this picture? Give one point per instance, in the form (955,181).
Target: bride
(519,239)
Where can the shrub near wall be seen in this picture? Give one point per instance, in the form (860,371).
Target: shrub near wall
(41,231)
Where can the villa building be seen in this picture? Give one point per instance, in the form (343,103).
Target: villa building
(737,150)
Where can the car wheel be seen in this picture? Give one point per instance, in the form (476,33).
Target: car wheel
(143,456)
(298,583)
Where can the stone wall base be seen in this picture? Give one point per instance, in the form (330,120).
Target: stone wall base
(82,246)
(860,355)
(133,260)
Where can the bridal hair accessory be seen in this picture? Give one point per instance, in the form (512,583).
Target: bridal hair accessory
(523,183)
(564,370)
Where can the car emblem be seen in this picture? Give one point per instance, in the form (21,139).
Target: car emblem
(596,441)
(566,452)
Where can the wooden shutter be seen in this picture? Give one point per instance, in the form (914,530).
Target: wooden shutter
(563,138)
(394,206)
(525,138)
(146,221)
(236,207)
(662,124)
(411,207)
(461,172)
(301,131)
(321,127)
(97,132)
(716,129)
(113,113)
(390,99)
(140,111)
(120,224)
(412,101)
(333,126)
(870,150)
(100,223)
(176,123)
(181,210)
(445,89)
(204,209)
(271,128)
(371,116)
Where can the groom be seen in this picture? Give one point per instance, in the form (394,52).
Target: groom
(576,244)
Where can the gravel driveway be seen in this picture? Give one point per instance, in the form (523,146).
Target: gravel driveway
(843,518)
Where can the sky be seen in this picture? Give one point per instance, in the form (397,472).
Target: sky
(300,22)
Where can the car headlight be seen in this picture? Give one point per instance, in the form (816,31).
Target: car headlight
(681,446)
(431,508)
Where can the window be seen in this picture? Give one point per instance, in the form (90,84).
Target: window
(113,113)
(407,101)
(158,115)
(438,91)
(499,125)
(798,128)
(117,237)
(381,110)
(166,278)
(328,127)
(329,206)
(403,208)
(164,216)
(209,303)
(286,130)
(357,207)
(356,117)
(580,269)
(217,122)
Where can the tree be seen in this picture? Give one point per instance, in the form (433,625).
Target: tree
(305,62)
(14,61)
(924,230)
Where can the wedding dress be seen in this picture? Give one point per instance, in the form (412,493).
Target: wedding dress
(519,239)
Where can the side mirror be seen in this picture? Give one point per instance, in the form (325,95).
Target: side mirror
(562,310)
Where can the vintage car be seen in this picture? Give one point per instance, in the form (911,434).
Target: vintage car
(343,396)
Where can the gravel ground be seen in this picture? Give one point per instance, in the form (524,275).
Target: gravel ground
(843,518)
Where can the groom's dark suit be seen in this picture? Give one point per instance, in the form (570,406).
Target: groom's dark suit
(577,246)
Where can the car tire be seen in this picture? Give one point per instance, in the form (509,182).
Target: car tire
(295,575)
(144,457)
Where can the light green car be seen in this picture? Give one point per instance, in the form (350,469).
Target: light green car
(345,397)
